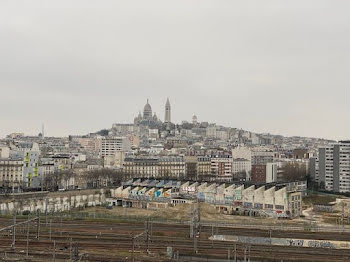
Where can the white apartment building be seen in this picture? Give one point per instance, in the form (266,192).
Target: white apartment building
(258,155)
(29,152)
(242,152)
(271,172)
(261,156)
(240,165)
(111,145)
(334,167)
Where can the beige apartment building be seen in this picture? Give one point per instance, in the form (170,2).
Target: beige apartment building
(11,172)
(197,166)
(169,166)
(141,166)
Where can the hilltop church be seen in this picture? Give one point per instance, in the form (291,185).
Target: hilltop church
(151,120)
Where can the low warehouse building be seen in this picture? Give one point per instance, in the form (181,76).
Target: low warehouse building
(262,200)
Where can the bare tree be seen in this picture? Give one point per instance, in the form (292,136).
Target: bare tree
(65,178)
(104,177)
(52,182)
(294,171)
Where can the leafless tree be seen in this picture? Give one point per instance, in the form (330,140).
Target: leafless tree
(104,177)
(294,171)
(52,182)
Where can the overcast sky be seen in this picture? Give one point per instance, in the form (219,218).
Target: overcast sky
(267,66)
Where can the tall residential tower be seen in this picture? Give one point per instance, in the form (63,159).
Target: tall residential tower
(334,167)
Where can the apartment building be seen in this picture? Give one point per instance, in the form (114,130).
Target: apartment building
(241,165)
(111,145)
(334,167)
(141,166)
(171,166)
(313,163)
(197,166)
(262,157)
(11,172)
(203,166)
(264,173)
(90,144)
(221,167)
(29,153)
(167,166)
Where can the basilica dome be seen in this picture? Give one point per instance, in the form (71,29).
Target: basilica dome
(147,111)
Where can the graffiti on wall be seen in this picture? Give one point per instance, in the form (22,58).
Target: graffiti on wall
(308,243)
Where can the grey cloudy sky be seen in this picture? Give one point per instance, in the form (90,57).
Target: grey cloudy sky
(266,66)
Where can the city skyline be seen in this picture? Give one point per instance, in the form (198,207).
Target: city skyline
(266,67)
(159,114)
(175,130)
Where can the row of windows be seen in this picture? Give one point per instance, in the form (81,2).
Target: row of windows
(9,173)
(11,169)
(11,178)
(296,197)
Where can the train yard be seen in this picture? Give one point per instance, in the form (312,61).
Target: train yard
(56,239)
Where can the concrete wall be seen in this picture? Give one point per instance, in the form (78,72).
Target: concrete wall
(310,243)
(280,199)
(259,198)
(248,194)
(117,192)
(269,198)
(52,202)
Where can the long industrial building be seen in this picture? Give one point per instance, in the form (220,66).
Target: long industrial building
(274,200)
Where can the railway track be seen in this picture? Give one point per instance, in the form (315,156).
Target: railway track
(219,250)
(185,229)
(100,241)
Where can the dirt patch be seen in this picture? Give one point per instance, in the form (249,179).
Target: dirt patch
(183,213)
(319,199)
